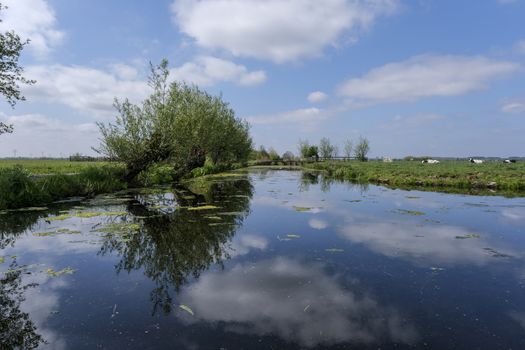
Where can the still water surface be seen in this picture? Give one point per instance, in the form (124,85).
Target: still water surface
(266,260)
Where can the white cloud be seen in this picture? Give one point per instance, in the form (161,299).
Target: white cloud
(415,120)
(88,90)
(513,107)
(276,30)
(124,71)
(299,116)
(317,96)
(36,134)
(297,301)
(317,224)
(426,245)
(34,20)
(425,76)
(207,71)
(243,244)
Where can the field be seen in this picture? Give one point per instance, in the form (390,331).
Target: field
(448,174)
(50,166)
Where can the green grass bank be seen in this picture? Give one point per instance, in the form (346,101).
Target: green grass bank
(33,183)
(445,175)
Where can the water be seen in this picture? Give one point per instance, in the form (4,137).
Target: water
(279,260)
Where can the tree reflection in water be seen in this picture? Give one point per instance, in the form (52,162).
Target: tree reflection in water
(17,330)
(174,247)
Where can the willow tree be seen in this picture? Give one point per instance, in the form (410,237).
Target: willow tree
(178,124)
(10,71)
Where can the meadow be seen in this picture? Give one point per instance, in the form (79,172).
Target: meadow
(51,166)
(460,175)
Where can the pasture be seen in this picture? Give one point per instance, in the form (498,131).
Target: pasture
(446,174)
(50,166)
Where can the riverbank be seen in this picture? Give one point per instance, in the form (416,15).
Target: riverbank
(448,175)
(35,183)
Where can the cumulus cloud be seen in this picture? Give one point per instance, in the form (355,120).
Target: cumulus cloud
(88,90)
(276,30)
(317,96)
(207,71)
(296,301)
(426,76)
(34,20)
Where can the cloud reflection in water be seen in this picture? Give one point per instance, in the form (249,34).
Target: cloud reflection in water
(296,301)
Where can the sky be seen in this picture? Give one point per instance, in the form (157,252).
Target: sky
(418,77)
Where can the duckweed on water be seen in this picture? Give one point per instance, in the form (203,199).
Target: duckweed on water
(410,212)
(56,232)
(31,209)
(334,250)
(470,235)
(121,228)
(2,259)
(66,271)
(203,207)
(301,209)
(187,309)
(494,253)
(86,215)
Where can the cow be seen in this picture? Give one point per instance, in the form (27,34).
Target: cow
(430,161)
(475,161)
(508,161)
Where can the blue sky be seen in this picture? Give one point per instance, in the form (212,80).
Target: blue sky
(427,77)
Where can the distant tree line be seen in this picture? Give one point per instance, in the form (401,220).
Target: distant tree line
(325,150)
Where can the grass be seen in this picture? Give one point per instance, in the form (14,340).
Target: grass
(51,166)
(446,175)
(19,188)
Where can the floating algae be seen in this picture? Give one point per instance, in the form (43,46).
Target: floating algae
(31,209)
(470,235)
(293,236)
(203,207)
(410,212)
(66,271)
(86,214)
(56,232)
(494,253)
(2,259)
(302,209)
(334,250)
(187,309)
(122,228)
